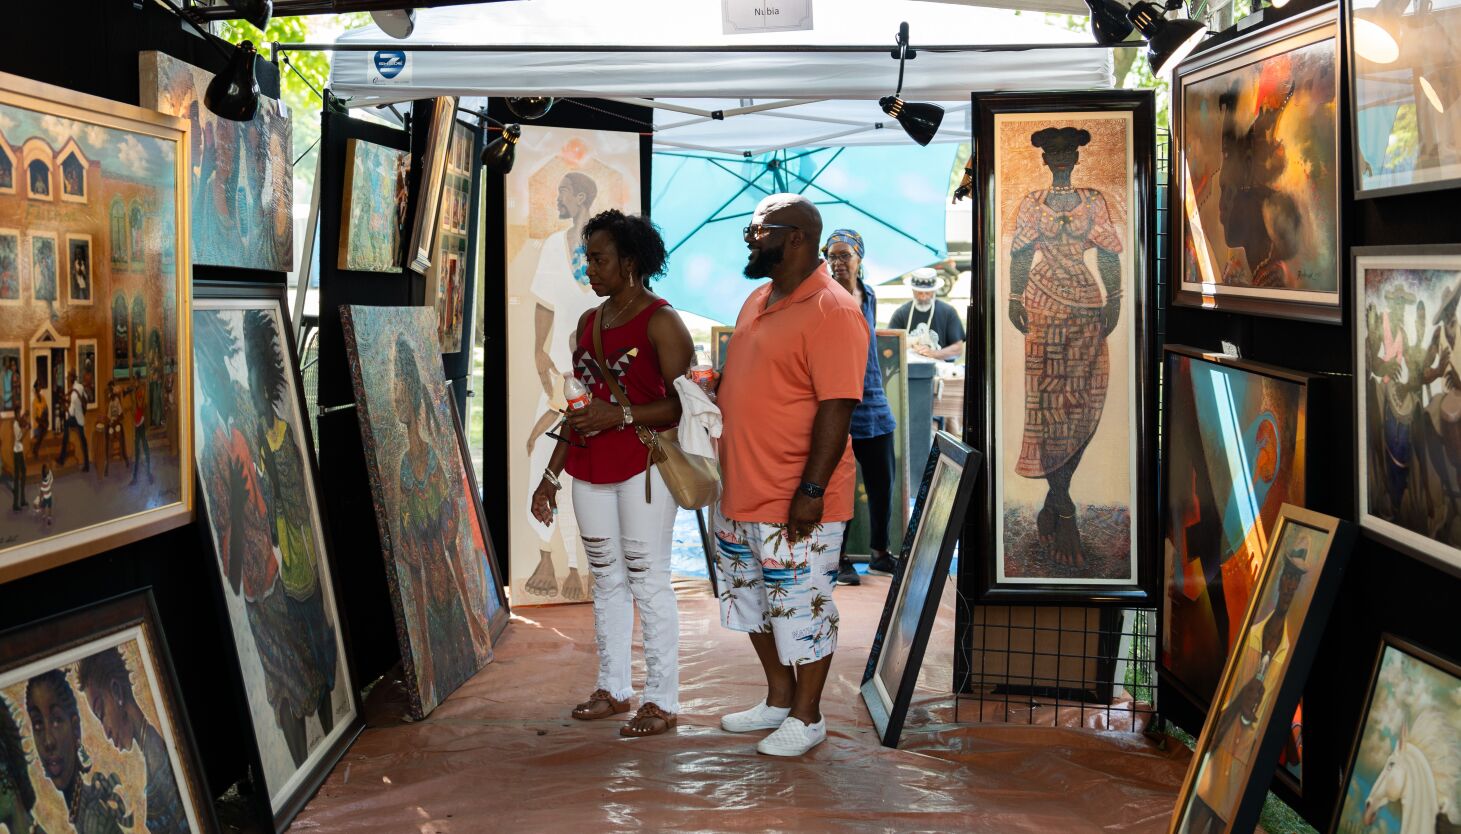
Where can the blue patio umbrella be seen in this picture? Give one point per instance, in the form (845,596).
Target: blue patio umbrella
(895,196)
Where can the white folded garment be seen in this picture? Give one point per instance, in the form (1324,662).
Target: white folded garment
(699,419)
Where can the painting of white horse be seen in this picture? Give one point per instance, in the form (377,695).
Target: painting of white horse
(1405,776)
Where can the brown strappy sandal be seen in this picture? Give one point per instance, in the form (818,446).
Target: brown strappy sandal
(649,710)
(600,705)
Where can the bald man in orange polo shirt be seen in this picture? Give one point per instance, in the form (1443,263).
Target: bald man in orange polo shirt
(793,374)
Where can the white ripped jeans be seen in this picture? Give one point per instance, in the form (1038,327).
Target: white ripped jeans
(627,544)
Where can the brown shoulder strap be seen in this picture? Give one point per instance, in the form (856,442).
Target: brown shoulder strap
(600,365)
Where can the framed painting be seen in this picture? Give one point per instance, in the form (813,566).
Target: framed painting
(563,177)
(93,733)
(434,162)
(9,267)
(109,154)
(446,277)
(1064,348)
(241,179)
(1404,770)
(260,496)
(78,269)
(1405,93)
(1407,392)
(1256,173)
(491,596)
(374,209)
(917,585)
(720,336)
(1236,441)
(424,513)
(1239,746)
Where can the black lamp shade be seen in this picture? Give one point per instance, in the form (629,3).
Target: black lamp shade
(532,107)
(234,93)
(1168,42)
(1108,21)
(1173,44)
(501,153)
(256,12)
(919,120)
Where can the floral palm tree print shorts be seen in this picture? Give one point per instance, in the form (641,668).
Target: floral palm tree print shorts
(770,586)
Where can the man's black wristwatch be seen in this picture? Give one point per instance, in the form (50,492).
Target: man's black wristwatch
(811,490)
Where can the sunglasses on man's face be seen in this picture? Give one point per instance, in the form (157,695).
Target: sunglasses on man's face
(760,230)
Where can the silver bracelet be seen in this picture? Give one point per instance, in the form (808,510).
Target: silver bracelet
(551,478)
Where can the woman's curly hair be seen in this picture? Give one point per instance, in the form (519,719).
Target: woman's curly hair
(635,238)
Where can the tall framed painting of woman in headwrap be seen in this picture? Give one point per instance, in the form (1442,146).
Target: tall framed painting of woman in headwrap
(1064,225)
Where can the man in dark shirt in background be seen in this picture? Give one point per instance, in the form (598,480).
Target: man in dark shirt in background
(925,312)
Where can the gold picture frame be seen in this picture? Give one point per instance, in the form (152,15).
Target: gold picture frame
(90,512)
(433,173)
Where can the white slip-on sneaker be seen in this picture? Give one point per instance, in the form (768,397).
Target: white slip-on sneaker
(793,738)
(759,717)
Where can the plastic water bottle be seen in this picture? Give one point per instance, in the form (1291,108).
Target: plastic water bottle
(575,393)
(701,373)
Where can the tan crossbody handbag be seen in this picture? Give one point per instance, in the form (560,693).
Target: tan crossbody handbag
(693,480)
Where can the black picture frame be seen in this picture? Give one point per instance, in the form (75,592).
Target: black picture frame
(1304,644)
(1305,382)
(73,629)
(1299,31)
(1388,641)
(281,816)
(1355,77)
(988,313)
(890,709)
(497,623)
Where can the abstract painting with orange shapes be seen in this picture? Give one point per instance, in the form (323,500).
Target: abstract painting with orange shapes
(1235,454)
(1258,176)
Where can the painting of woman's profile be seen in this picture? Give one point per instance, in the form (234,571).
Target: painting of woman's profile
(92,734)
(1256,157)
(1066,240)
(424,509)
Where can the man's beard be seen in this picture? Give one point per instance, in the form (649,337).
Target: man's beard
(761,265)
(921,306)
(563,213)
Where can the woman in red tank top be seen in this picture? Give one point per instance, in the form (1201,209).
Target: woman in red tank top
(626,538)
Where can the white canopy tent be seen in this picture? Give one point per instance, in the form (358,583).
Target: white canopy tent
(769,91)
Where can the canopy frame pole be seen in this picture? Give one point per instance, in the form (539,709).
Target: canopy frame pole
(401,46)
(711,114)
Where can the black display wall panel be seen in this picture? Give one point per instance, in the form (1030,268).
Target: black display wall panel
(92,46)
(1383,589)
(589,114)
(359,563)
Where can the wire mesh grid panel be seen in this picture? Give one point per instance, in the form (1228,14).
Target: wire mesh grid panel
(1061,666)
